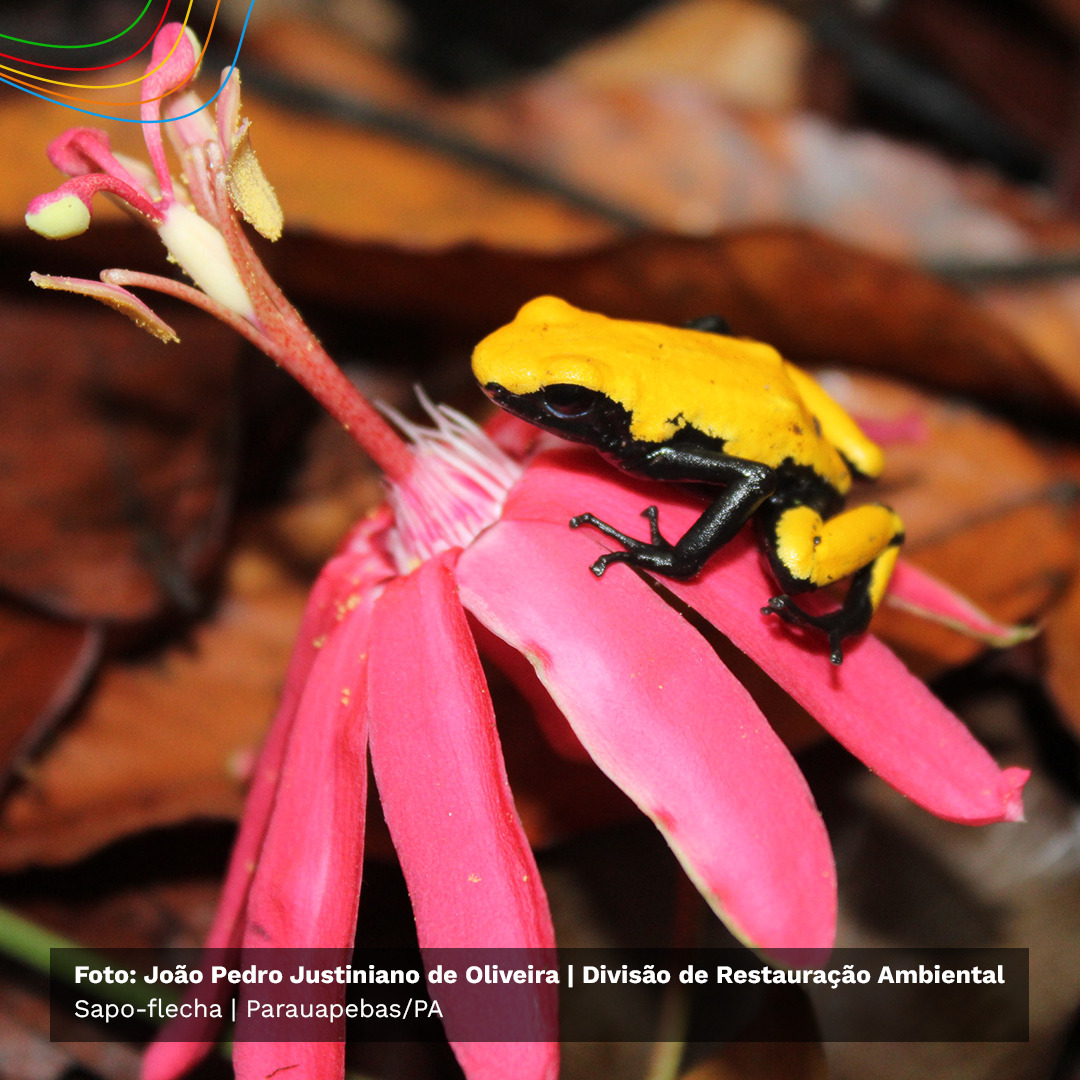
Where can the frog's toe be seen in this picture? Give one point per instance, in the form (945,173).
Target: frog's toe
(604,561)
(602,526)
(788,610)
(837,625)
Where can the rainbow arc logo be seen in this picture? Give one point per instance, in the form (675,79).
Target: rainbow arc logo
(34,67)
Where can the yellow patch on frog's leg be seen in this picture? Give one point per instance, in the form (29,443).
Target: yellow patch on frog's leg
(882,572)
(809,552)
(817,552)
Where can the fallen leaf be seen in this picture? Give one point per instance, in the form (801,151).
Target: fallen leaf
(166,738)
(818,300)
(749,54)
(1061,649)
(122,452)
(44,665)
(987,510)
(1044,316)
(1022,71)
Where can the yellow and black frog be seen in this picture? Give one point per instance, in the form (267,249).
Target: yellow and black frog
(694,404)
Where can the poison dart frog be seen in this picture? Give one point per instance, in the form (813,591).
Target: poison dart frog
(695,404)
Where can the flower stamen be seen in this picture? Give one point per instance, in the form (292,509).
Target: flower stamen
(456,489)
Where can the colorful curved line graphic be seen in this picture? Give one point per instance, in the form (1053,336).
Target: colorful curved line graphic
(90,45)
(99,67)
(41,87)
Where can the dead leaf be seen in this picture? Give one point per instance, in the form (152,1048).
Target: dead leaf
(164,739)
(44,665)
(1020,71)
(121,449)
(749,54)
(1061,648)
(985,509)
(1045,318)
(643,121)
(335,487)
(817,300)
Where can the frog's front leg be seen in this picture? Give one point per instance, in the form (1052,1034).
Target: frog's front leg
(747,484)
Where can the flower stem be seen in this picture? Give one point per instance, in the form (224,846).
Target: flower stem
(28,943)
(300,354)
(32,945)
(310,365)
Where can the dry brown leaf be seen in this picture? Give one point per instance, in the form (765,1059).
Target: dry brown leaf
(664,143)
(1068,11)
(1025,81)
(818,300)
(1045,317)
(121,449)
(985,509)
(614,121)
(748,53)
(44,665)
(164,739)
(334,489)
(1061,647)
(667,145)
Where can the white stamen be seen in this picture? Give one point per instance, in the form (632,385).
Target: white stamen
(457,489)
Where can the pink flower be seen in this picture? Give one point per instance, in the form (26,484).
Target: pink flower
(388,655)
(473,553)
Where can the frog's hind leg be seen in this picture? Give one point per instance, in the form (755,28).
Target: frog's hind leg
(809,552)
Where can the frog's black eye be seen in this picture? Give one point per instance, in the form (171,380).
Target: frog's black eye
(569,402)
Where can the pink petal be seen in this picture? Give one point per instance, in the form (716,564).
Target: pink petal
(334,595)
(919,592)
(438,764)
(667,722)
(306,887)
(307,1060)
(79,151)
(522,675)
(341,587)
(910,427)
(872,703)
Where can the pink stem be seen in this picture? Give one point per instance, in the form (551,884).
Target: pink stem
(304,358)
(87,186)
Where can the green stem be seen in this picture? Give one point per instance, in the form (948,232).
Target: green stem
(32,945)
(28,943)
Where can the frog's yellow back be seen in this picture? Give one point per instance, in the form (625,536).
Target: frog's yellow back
(734,389)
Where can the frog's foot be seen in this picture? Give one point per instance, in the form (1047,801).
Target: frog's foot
(654,554)
(847,621)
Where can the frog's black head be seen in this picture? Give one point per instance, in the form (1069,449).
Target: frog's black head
(574,412)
